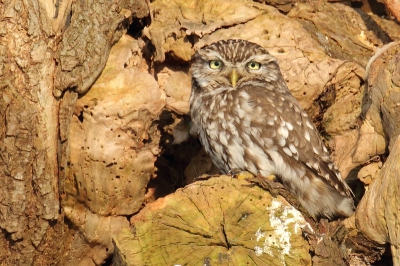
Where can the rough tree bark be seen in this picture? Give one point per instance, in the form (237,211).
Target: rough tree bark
(29,212)
(45,50)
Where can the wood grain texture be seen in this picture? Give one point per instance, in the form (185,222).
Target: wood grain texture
(220,221)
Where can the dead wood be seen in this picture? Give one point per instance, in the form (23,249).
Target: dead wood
(382,89)
(87,39)
(377,213)
(220,221)
(324,68)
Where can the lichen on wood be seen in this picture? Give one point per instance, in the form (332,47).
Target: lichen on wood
(221,221)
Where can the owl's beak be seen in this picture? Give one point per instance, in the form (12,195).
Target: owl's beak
(234,77)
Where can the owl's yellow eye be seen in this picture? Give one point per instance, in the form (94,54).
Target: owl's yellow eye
(253,65)
(215,64)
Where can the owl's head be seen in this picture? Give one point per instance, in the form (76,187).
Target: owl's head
(229,64)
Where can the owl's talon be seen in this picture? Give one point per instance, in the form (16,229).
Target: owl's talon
(234,172)
(269,184)
(271,177)
(242,175)
(203,177)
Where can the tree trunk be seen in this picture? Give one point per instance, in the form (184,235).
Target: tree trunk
(29,214)
(44,51)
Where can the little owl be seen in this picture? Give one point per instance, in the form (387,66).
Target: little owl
(248,120)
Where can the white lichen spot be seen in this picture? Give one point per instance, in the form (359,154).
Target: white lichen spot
(284,221)
(258,250)
(259,234)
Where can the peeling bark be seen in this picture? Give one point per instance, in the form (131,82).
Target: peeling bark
(86,43)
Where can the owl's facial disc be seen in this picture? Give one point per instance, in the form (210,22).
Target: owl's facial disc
(227,70)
